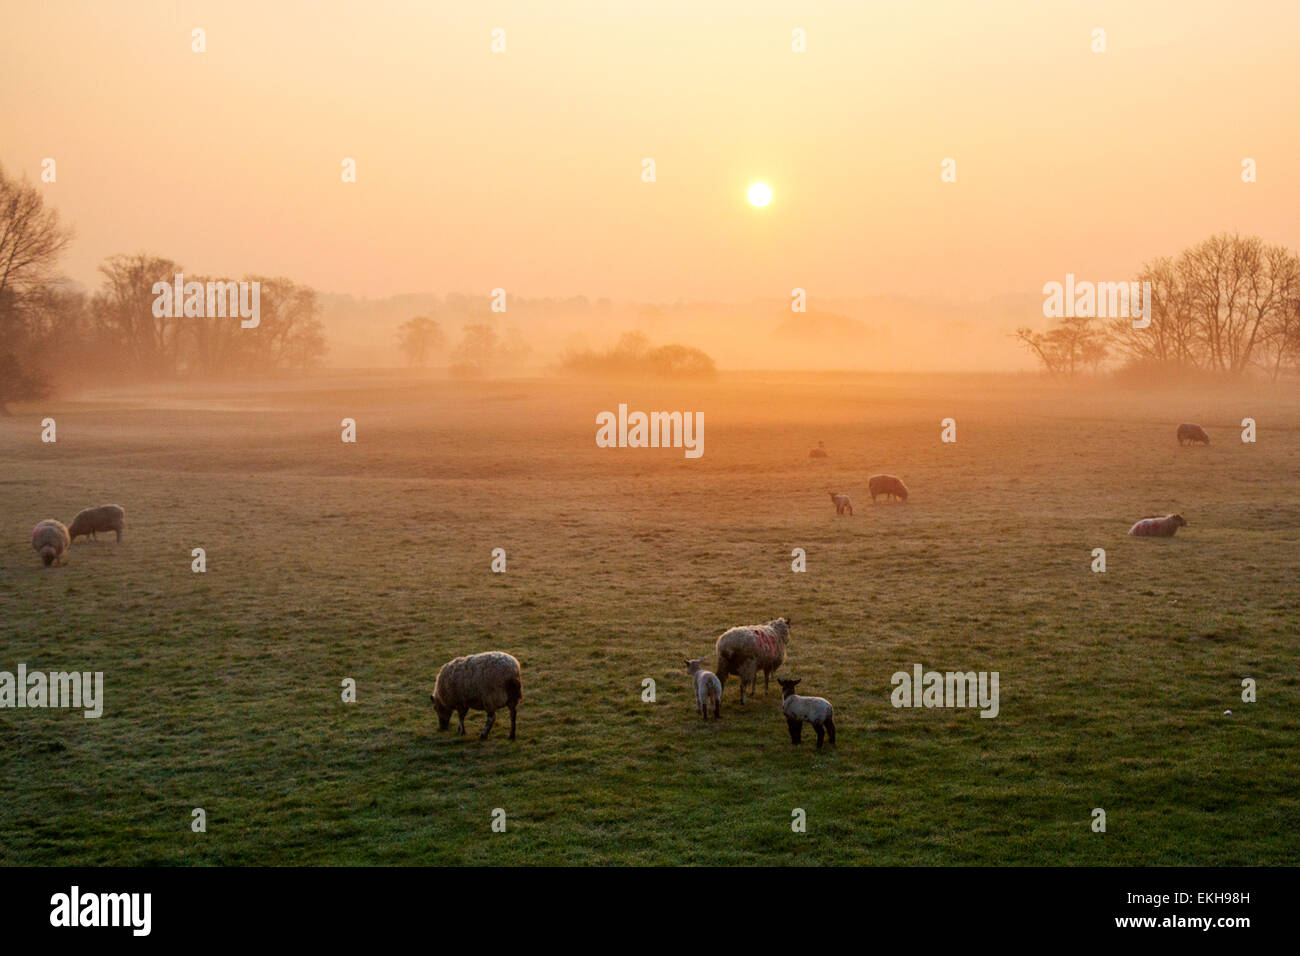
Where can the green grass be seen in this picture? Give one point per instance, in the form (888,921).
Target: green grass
(371,561)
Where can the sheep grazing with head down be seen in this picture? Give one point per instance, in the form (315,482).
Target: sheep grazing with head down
(103,518)
(49,540)
(747,650)
(816,710)
(886,485)
(1164,527)
(708,689)
(841,503)
(1193,434)
(487,681)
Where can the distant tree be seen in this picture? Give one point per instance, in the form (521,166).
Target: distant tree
(481,351)
(19,382)
(633,357)
(1075,344)
(680,361)
(418,337)
(151,345)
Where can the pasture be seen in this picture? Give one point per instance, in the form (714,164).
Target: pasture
(371,561)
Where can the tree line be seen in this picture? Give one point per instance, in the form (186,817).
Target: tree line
(1226,307)
(54,332)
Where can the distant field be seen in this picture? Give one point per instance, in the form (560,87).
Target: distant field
(371,561)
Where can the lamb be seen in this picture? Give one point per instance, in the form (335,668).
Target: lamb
(1164,527)
(744,650)
(487,681)
(816,710)
(103,518)
(49,540)
(819,451)
(708,689)
(886,485)
(841,503)
(1193,434)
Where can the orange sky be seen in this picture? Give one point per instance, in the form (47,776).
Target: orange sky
(523,169)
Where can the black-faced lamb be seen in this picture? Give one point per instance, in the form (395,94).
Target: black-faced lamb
(1193,434)
(708,689)
(841,503)
(487,681)
(747,650)
(886,485)
(103,518)
(816,710)
(49,540)
(1163,527)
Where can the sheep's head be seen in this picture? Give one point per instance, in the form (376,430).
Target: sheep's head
(693,667)
(48,555)
(443,711)
(787,686)
(1180,521)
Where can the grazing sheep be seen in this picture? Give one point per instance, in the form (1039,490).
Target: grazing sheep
(1193,434)
(819,451)
(886,485)
(746,650)
(49,540)
(841,503)
(816,710)
(1164,527)
(487,681)
(103,518)
(708,689)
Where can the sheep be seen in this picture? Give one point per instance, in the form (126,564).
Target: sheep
(841,503)
(1193,434)
(886,485)
(103,518)
(819,451)
(1164,527)
(487,681)
(49,540)
(744,650)
(816,710)
(708,689)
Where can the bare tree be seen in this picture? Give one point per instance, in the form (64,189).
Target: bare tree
(1065,351)
(419,336)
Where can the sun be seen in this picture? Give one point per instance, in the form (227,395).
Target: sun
(760,194)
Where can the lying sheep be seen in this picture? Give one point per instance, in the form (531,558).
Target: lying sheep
(49,540)
(746,650)
(708,689)
(886,485)
(1164,527)
(487,681)
(103,518)
(841,503)
(816,710)
(1193,434)
(819,451)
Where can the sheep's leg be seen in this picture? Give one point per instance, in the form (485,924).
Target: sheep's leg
(795,726)
(850,507)
(119,537)
(820,734)
(830,729)
(492,719)
(512,723)
(765,673)
(461,714)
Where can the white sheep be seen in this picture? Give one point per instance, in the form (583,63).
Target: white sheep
(1163,527)
(747,650)
(841,503)
(487,681)
(816,710)
(708,689)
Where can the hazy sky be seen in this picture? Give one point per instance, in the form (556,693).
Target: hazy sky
(523,169)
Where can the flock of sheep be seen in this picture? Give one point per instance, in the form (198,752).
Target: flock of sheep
(52,538)
(491,681)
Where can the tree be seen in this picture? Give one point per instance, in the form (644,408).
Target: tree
(418,337)
(31,241)
(151,345)
(1065,351)
(19,382)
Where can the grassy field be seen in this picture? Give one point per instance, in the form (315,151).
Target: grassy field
(371,561)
